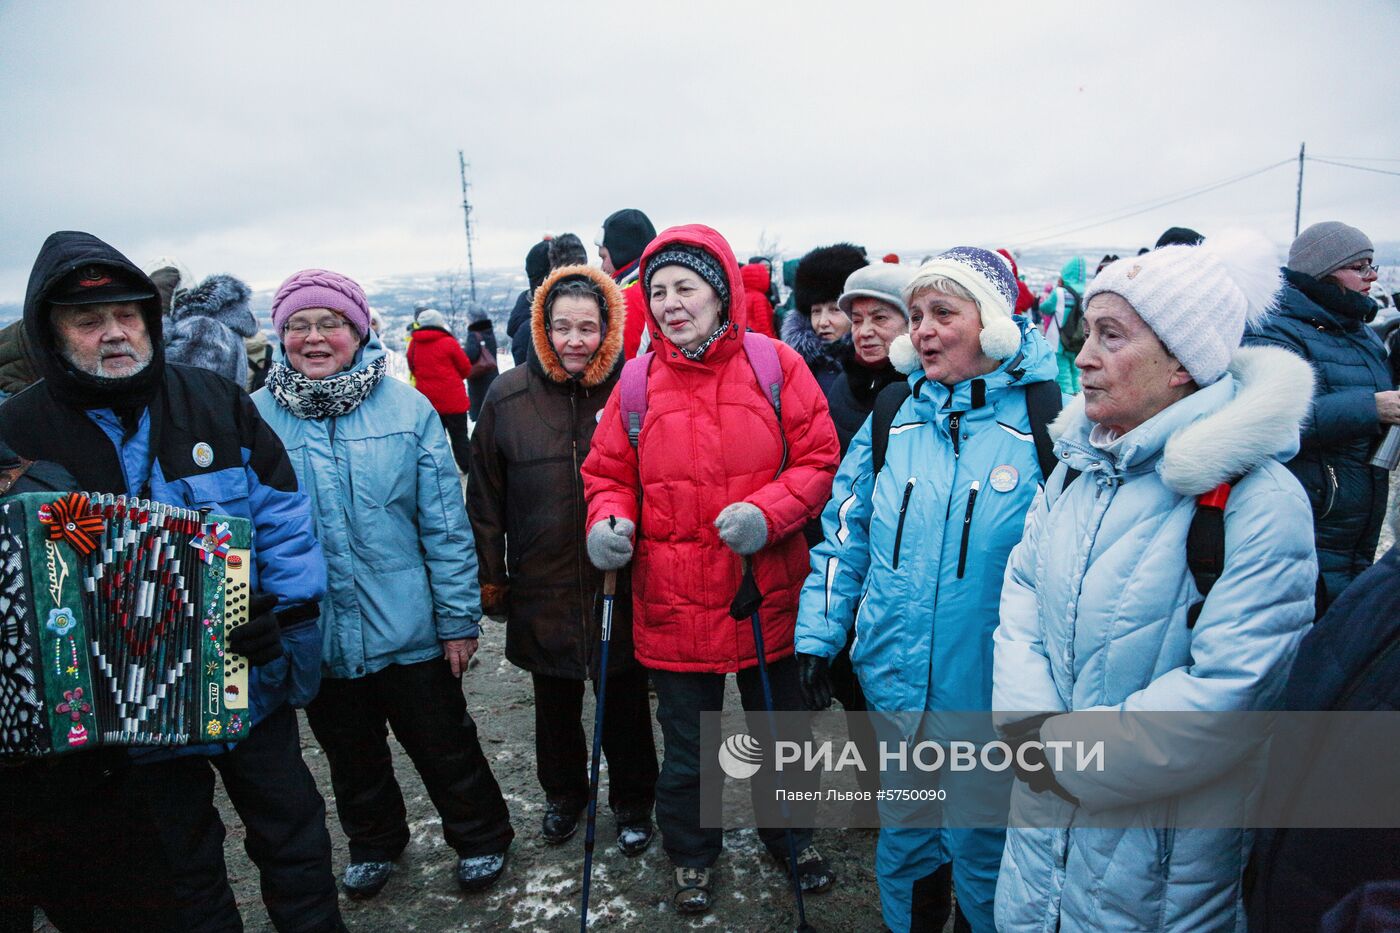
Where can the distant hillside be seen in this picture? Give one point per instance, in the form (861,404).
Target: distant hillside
(395,296)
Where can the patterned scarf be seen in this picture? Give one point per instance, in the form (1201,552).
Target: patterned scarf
(699,351)
(323,398)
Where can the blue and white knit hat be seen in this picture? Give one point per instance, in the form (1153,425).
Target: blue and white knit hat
(992,284)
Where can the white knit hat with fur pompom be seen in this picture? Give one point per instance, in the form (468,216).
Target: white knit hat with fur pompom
(1198,299)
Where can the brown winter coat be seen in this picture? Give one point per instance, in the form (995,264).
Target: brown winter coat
(525,500)
(16,372)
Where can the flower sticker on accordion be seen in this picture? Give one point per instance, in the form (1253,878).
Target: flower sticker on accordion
(74,705)
(61,621)
(213,541)
(73,519)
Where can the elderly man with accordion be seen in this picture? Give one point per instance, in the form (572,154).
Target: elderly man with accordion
(175,510)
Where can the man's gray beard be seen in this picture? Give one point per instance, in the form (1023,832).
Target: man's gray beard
(98,373)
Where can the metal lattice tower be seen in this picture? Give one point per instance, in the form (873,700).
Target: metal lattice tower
(467,216)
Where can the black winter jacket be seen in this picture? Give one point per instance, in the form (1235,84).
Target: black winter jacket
(525,501)
(518,327)
(851,395)
(823,359)
(1349,661)
(479,334)
(1325,325)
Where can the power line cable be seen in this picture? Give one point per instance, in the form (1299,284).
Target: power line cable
(1359,168)
(1357,158)
(1152,206)
(1185,192)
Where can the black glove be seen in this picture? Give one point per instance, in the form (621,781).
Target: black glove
(1039,779)
(814,673)
(260,638)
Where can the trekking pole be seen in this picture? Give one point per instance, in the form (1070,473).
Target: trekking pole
(609,589)
(746,603)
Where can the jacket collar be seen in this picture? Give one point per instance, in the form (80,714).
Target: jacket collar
(1215,435)
(1327,303)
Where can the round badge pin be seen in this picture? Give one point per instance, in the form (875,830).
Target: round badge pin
(1004,478)
(203,454)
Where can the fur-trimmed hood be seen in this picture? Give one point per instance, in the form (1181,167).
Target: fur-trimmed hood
(1212,436)
(797,333)
(614,323)
(221,297)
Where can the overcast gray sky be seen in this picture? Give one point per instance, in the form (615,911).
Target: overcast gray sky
(258,138)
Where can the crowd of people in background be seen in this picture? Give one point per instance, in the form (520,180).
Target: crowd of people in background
(951,490)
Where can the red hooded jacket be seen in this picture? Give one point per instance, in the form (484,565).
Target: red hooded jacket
(710,439)
(1025,301)
(757,278)
(439,365)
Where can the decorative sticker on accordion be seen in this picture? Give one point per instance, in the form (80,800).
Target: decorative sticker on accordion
(114,617)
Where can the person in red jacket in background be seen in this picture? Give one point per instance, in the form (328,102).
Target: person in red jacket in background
(439,366)
(1025,300)
(620,243)
(758,280)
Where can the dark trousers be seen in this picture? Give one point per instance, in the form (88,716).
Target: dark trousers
(284,818)
(423,704)
(75,841)
(681,698)
(456,426)
(561,752)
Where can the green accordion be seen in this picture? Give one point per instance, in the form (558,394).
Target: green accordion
(114,619)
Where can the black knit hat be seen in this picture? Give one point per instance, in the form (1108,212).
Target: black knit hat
(822,274)
(696,260)
(1179,236)
(537,263)
(625,234)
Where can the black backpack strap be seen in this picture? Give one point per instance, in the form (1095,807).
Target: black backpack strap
(886,406)
(1043,404)
(1205,545)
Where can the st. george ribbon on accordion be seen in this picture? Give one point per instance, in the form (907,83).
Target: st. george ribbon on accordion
(114,617)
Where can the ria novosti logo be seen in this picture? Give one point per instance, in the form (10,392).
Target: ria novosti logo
(740,756)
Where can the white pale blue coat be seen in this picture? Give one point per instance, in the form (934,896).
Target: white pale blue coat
(400,557)
(912,559)
(1093,617)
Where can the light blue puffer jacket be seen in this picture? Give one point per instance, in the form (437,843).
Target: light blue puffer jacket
(1093,616)
(400,557)
(913,558)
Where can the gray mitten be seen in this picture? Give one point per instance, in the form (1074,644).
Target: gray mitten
(610,543)
(742,527)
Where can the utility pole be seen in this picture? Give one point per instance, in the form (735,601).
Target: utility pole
(467,215)
(1298,208)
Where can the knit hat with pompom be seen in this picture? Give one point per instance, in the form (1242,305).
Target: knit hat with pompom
(1198,299)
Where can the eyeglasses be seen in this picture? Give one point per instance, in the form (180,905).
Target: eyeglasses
(325,327)
(1364,267)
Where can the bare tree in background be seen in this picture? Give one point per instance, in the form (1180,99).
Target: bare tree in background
(456,300)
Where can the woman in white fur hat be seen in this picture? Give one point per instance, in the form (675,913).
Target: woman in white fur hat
(1097,605)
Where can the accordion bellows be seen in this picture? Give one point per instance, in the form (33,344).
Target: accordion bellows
(114,616)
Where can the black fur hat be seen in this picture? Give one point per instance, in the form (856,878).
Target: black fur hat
(821,275)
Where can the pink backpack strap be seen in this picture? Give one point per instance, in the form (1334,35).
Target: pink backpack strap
(763,357)
(633,399)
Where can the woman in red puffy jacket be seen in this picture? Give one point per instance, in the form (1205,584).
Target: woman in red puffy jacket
(439,365)
(707,483)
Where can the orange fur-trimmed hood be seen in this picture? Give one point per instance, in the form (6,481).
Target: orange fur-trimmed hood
(614,322)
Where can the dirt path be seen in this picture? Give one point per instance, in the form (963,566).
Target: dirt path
(540,889)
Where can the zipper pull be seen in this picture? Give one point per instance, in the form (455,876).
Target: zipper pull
(954,429)
(967,526)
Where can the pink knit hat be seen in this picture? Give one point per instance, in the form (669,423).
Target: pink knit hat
(319,288)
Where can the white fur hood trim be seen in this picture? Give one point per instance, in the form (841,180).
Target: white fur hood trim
(1273,395)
